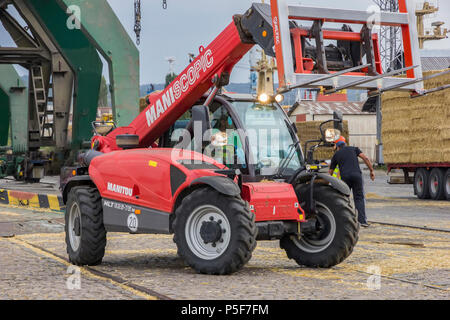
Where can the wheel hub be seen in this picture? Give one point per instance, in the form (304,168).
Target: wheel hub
(208,232)
(77,226)
(211,231)
(320,232)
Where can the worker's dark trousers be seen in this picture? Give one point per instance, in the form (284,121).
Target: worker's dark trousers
(355,182)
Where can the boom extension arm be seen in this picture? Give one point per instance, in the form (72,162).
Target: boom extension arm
(212,67)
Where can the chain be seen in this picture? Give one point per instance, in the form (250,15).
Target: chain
(137,20)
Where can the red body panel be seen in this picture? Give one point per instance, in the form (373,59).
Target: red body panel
(145,172)
(273,201)
(141,177)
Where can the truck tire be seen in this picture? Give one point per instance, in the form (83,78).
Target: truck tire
(339,234)
(421,178)
(447,184)
(85,232)
(214,233)
(437,184)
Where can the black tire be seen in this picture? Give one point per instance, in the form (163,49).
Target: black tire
(447,184)
(437,184)
(421,188)
(325,248)
(228,213)
(91,237)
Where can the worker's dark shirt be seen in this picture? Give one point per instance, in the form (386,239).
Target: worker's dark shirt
(347,160)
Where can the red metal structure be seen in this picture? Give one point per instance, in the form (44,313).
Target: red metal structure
(218,211)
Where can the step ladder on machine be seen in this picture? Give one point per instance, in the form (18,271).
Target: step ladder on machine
(44,111)
(300,68)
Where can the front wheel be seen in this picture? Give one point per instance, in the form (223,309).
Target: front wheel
(214,233)
(334,233)
(85,232)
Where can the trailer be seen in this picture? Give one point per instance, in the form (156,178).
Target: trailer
(431,180)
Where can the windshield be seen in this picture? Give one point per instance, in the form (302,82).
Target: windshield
(271,142)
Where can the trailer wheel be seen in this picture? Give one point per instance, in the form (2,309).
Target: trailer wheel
(437,184)
(447,184)
(85,232)
(421,178)
(336,231)
(214,233)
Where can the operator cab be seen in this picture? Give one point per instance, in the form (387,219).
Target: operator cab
(256,138)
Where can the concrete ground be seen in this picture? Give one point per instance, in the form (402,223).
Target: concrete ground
(388,262)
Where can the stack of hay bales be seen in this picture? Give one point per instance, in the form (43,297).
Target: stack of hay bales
(417,130)
(310,131)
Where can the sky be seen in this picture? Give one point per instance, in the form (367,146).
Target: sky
(186,25)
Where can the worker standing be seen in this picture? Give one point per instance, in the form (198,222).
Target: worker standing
(346,158)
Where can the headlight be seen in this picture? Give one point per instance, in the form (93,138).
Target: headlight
(332,135)
(263,98)
(279,98)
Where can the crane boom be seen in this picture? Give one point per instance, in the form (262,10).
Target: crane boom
(218,59)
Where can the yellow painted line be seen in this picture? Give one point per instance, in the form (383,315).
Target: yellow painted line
(12,214)
(83,270)
(143,251)
(28,208)
(42,235)
(320,274)
(375,196)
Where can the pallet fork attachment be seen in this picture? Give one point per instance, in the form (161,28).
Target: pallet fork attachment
(358,82)
(426,92)
(296,69)
(416,93)
(322,78)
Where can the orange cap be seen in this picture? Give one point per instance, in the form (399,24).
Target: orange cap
(341,139)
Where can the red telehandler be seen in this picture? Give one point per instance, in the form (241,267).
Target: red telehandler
(161,175)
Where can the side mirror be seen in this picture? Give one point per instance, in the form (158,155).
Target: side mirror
(338,120)
(127,141)
(310,156)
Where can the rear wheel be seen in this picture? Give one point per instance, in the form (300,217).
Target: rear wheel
(437,184)
(85,232)
(335,231)
(421,179)
(214,233)
(447,184)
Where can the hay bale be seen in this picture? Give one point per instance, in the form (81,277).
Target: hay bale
(417,130)
(142,104)
(310,131)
